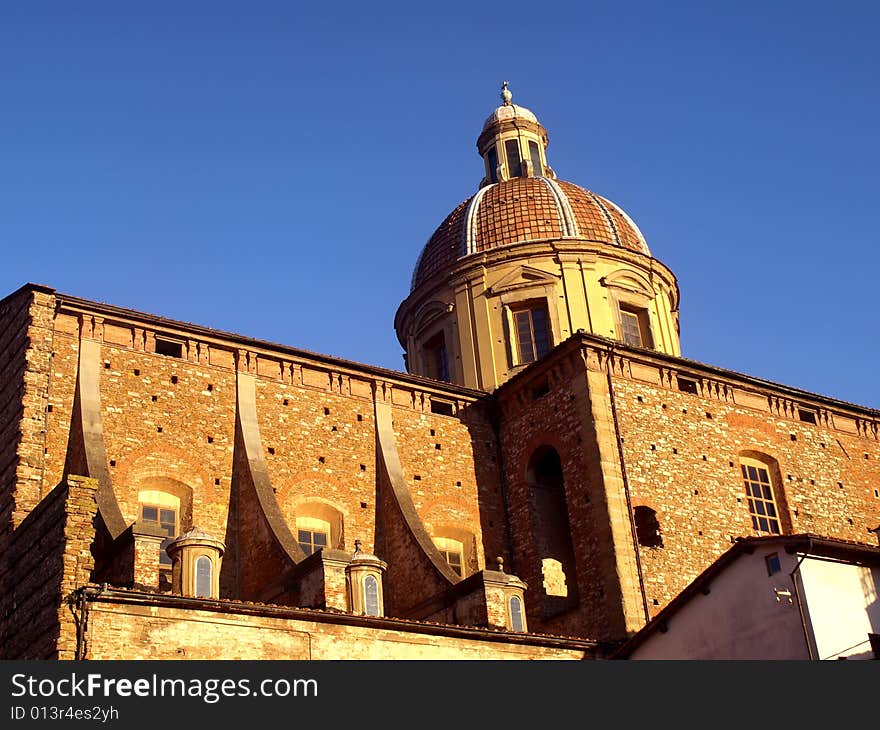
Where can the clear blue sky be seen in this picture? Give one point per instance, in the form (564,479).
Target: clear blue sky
(274,168)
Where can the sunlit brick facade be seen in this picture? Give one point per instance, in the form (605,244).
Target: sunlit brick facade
(549,475)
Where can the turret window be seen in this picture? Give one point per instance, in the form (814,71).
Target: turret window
(535,155)
(204,570)
(532,333)
(511,147)
(493,164)
(371,596)
(516,614)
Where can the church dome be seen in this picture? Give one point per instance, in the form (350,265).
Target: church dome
(525,209)
(527,262)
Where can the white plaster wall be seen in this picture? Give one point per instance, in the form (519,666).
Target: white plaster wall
(843,606)
(741,617)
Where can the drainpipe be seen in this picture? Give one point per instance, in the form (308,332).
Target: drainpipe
(797,595)
(629,510)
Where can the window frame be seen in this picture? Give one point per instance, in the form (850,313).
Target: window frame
(528,307)
(758,498)
(368,580)
(435,357)
(512,614)
(449,546)
(313,545)
(641,317)
(164,560)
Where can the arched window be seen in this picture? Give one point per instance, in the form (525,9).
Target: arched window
(371,596)
(647,527)
(161,511)
(204,577)
(452,552)
(318,526)
(551,531)
(313,534)
(763,494)
(516,614)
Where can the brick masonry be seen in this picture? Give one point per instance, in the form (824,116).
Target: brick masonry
(632,428)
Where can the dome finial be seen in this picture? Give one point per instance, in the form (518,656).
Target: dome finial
(506,95)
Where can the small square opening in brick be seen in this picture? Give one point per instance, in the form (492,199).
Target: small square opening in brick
(417,477)
(112,462)
(49,408)
(432,431)
(437,447)
(210,439)
(321,459)
(363,505)
(107,365)
(326,411)
(285,402)
(154,398)
(271,450)
(363,467)
(360,417)
(137,372)
(158,429)
(174,379)
(210,387)
(793,437)
(217,482)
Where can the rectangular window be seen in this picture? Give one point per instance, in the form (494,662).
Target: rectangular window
(635,326)
(762,506)
(311,541)
(511,147)
(493,164)
(164,519)
(535,155)
(773,564)
(532,333)
(454,560)
(436,358)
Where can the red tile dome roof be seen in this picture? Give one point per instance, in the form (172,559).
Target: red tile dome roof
(525,209)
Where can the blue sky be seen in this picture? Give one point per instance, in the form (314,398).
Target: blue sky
(273,169)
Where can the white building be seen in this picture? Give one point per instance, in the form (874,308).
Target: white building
(791,597)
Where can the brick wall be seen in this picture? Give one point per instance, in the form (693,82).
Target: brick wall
(46,558)
(682,459)
(550,408)
(25,361)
